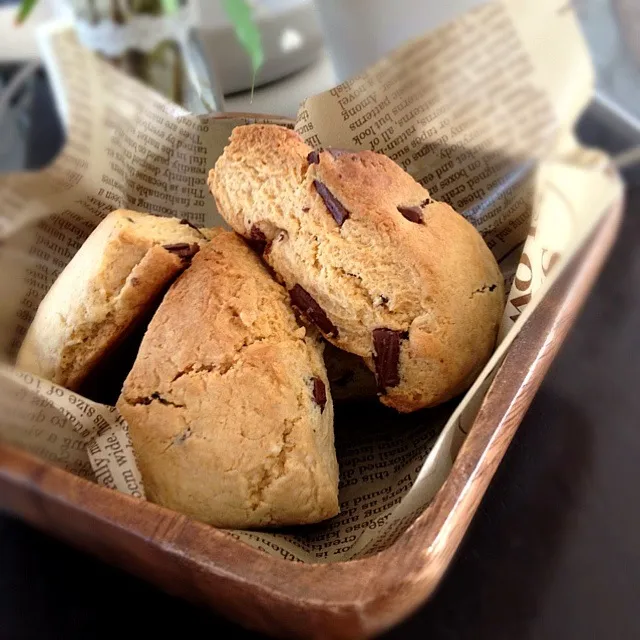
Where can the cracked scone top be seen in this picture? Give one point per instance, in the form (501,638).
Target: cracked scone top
(382,270)
(109,284)
(228,402)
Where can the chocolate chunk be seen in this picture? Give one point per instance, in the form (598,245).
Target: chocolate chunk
(183,250)
(311,310)
(425,202)
(193,226)
(314,157)
(335,207)
(319,393)
(412,214)
(175,248)
(485,287)
(306,209)
(257,240)
(386,343)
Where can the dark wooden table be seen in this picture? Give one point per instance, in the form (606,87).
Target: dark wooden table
(554,551)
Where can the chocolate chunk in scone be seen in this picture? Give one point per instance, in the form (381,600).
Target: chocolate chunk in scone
(304,303)
(228,402)
(333,205)
(367,249)
(386,357)
(112,282)
(183,250)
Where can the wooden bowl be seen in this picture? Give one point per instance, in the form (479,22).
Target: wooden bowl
(342,600)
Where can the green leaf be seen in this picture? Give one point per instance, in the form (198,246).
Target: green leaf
(170,6)
(241,17)
(25,8)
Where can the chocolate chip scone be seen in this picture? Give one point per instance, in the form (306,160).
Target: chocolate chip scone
(228,402)
(110,283)
(382,270)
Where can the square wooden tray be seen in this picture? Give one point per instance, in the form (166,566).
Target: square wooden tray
(341,600)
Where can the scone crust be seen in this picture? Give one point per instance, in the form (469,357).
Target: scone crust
(433,283)
(225,401)
(115,276)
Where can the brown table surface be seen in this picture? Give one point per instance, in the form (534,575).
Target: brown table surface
(554,551)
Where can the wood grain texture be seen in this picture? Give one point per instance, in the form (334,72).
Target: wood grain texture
(342,600)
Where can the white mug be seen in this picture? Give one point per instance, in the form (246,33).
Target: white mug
(360,32)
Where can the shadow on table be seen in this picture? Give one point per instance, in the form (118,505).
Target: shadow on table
(492,588)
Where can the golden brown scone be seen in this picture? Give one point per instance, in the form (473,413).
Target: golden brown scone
(113,279)
(382,270)
(228,402)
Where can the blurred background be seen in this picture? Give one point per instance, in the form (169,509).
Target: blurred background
(553,552)
(305,48)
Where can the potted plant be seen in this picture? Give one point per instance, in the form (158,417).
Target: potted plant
(148,38)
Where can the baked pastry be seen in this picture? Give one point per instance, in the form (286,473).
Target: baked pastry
(382,270)
(228,402)
(110,283)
